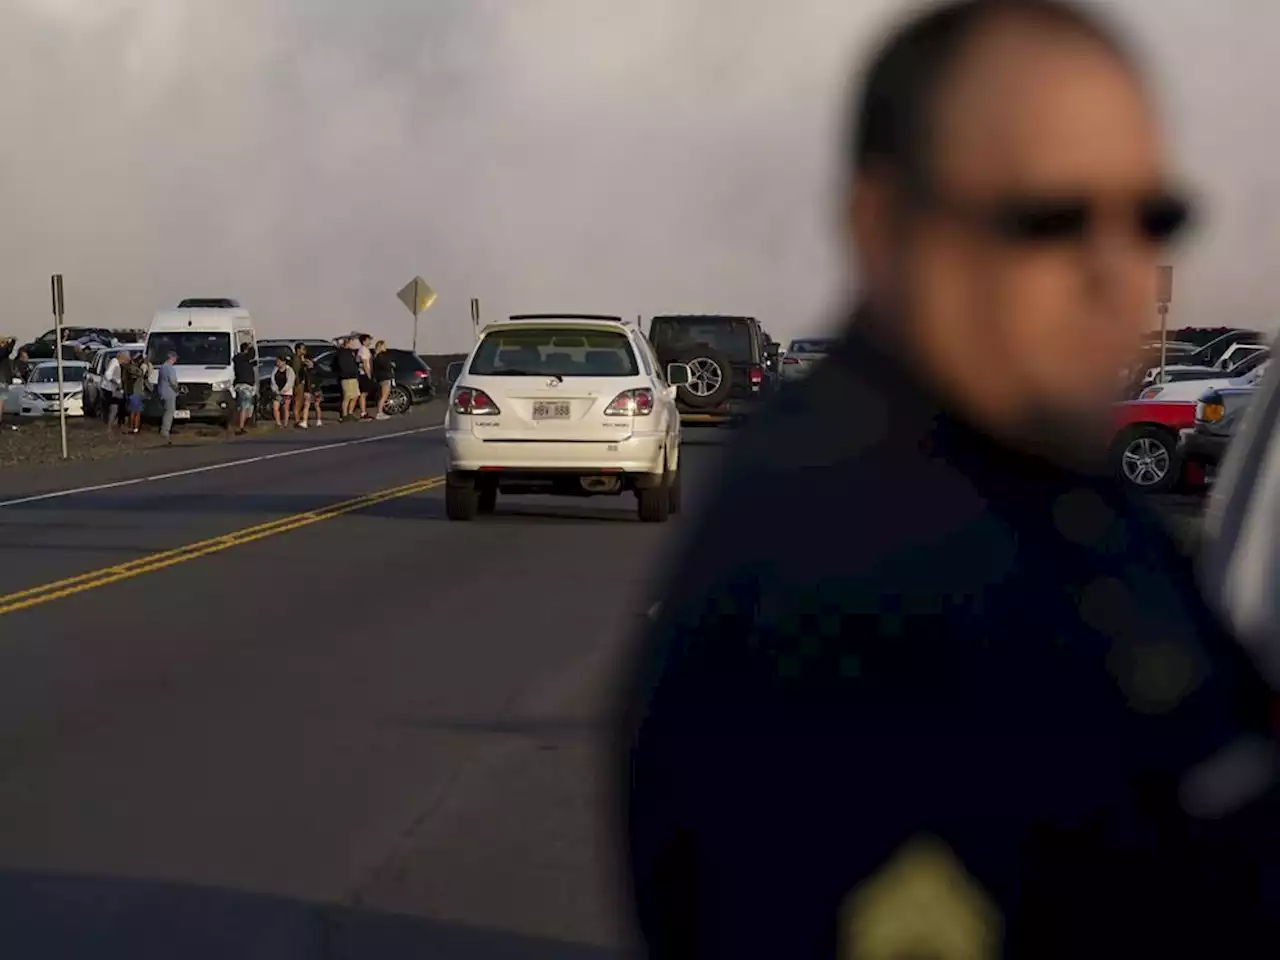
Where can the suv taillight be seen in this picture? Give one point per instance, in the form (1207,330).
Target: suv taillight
(422,374)
(790,360)
(757,376)
(631,403)
(474,403)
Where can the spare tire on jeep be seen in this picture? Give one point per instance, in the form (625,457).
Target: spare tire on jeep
(710,375)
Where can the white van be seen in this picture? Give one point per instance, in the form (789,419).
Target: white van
(205,339)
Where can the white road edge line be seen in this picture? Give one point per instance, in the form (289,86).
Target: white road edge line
(116,484)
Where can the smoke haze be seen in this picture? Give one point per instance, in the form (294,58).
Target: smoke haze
(310,156)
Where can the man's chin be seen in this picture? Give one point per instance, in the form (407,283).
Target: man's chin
(1077,438)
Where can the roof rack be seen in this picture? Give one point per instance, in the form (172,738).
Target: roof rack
(607,318)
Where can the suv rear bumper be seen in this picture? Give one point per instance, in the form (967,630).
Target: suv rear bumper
(467,453)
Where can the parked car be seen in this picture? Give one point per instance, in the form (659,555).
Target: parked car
(1144,450)
(1218,416)
(273,346)
(801,355)
(41,348)
(1240,559)
(40,397)
(94,376)
(1247,373)
(727,359)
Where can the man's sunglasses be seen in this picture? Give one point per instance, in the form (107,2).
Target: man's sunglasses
(1156,218)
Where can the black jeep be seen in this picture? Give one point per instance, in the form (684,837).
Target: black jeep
(731,361)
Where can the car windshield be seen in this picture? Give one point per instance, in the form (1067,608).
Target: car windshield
(49,374)
(554,352)
(731,337)
(194,349)
(809,346)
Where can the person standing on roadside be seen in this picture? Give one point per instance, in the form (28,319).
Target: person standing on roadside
(282,383)
(993,716)
(348,365)
(133,379)
(22,366)
(167,386)
(6,371)
(384,373)
(245,385)
(113,389)
(365,356)
(302,366)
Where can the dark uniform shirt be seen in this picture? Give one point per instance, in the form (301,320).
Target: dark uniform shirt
(913,693)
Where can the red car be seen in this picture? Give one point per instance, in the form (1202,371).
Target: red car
(1145,449)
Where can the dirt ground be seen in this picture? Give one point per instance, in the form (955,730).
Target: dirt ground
(38,441)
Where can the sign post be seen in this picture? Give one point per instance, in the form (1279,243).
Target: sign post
(1164,297)
(418,296)
(475,316)
(59,310)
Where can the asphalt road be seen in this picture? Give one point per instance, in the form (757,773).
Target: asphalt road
(272,701)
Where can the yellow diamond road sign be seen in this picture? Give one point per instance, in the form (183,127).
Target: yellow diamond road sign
(417,295)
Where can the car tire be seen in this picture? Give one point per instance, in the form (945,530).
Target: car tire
(653,504)
(1145,459)
(674,496)
(398,401)
(711,376)
(461,503)
(487,499)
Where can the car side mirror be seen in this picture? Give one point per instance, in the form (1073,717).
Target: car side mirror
(678,374)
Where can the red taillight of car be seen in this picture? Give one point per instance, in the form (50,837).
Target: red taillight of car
(422,374)
(757,376)
(474,403)
(631,403)
(789,360)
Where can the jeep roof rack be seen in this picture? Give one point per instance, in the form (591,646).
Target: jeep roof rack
(607,318)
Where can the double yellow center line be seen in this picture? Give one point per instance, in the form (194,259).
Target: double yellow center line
(34,596)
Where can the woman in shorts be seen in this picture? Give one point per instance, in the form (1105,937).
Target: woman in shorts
(384,372)
(282,383)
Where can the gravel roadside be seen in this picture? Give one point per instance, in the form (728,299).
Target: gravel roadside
(38,441)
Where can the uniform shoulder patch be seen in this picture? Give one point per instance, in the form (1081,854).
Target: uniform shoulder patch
(921,903)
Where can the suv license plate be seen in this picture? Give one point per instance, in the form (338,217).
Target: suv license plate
(551,411)
(182,414)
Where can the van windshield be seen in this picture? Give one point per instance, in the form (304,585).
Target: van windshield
(193,349)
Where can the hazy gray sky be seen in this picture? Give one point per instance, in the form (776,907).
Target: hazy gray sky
(310,156)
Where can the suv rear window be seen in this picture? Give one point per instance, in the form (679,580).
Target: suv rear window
(731,336)
(554,351)
(809,346)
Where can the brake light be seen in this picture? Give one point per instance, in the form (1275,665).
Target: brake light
(422,374)
(474,403)
(631,403)
(757,376)
(790,360)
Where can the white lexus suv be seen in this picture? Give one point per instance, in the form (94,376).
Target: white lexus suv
(566,404)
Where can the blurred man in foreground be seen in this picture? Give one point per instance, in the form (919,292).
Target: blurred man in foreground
(981,710)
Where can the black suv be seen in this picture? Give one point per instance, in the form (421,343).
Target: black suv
(732,363)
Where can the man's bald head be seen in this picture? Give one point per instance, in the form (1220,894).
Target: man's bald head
(894,120)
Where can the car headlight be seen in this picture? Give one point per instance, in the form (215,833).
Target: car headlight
(223,384)
(1151,393)
(31,397)
(73,396)
(1211,410)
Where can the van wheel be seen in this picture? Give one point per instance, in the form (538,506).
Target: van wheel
(461,503)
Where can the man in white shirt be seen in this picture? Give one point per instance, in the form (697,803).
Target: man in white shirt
(112,389)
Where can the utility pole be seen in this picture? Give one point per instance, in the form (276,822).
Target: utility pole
(1164,297)
(59,310)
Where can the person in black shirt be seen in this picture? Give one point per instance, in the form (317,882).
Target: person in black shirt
(384,373)
(977,707)
(245,384)
(348,366)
